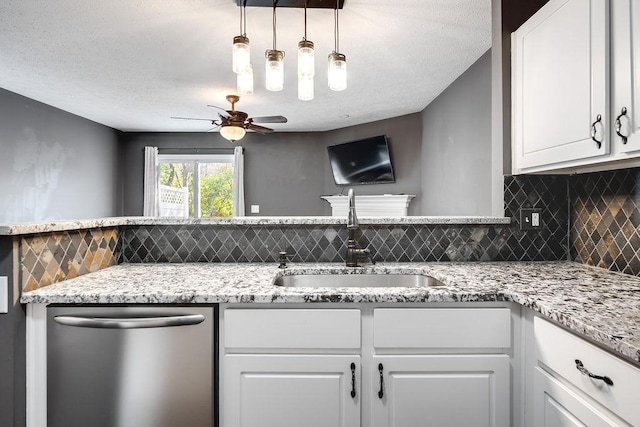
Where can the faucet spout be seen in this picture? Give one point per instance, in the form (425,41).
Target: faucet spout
(356,256)
(352,218)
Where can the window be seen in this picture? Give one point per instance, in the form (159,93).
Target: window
(195,186)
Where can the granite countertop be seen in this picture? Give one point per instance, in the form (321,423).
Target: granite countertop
(47,227)
(597,303)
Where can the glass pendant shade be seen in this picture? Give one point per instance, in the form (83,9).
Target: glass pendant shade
(245,82)
(232,133)
(274,70)
(306,59)
(337,71)
(241,54)
(305,88)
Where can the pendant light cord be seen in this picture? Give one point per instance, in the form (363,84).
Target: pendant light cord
(274,24)
(336,30)
(243,19)
(305,20)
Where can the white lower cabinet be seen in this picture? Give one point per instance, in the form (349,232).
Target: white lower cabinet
(575,383)
(441,390)
(370,366)
(291,391)
(556,405)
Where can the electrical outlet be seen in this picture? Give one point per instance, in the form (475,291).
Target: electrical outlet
(4,295)
(530,218)
(255,208)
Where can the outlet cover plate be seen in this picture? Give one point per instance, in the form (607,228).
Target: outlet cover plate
(4,294)
(530,219)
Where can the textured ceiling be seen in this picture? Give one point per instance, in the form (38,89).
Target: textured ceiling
(132,64)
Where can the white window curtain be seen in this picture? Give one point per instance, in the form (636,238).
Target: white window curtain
(150,207)
(238,181)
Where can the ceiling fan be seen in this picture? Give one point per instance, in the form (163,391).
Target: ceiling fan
(233,123)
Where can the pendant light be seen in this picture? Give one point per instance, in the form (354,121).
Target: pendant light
(306,64)
(274,65)
(241,58)
(337,72)
(245,82)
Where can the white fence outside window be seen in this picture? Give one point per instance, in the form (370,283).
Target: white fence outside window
(174,202)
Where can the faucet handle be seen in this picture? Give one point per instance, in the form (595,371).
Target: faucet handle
(363,256)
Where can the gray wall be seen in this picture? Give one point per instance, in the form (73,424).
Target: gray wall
(12,347)
(54,165)
(405,139)
(282,172)
(285,173)
(456,146)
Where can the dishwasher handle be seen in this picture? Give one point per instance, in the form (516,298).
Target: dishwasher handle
(129,322)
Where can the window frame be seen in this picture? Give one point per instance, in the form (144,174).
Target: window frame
(196,160)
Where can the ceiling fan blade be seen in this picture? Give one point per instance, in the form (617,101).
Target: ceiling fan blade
(259,129)
(215,127)
(269,119)
(221,110)
(192,118)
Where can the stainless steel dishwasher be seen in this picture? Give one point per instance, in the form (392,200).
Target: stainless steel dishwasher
(131,366)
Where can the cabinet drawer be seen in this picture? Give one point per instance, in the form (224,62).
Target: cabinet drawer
(442,328)
(291,329)
(559,350)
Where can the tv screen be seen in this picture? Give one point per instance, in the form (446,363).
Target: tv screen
(366,161)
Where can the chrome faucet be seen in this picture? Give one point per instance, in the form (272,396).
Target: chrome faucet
(356,256)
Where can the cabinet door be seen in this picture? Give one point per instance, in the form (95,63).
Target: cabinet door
(556,405)
(560,84)
(290,391)
(442,391)
(626,74)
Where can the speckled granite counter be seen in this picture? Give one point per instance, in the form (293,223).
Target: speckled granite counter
(602,305)
(47,227)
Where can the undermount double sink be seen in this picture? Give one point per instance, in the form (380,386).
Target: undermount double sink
(360,280)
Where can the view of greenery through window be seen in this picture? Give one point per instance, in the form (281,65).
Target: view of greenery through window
(212,186)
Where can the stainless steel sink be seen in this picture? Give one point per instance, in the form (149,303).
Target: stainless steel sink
(357,281)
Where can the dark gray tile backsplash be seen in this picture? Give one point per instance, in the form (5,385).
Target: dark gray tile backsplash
(408,243)
(590,218)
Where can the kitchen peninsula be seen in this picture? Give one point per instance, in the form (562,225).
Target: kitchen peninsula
(147,262)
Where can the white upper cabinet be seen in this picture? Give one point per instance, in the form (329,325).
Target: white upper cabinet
(625,105)
(560,63)
(573,62)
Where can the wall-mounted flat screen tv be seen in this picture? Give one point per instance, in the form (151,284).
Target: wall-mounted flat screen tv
(366,161)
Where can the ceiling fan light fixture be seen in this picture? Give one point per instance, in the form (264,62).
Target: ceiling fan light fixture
(245,81)
(232,133)
(274,70)
(337,71)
